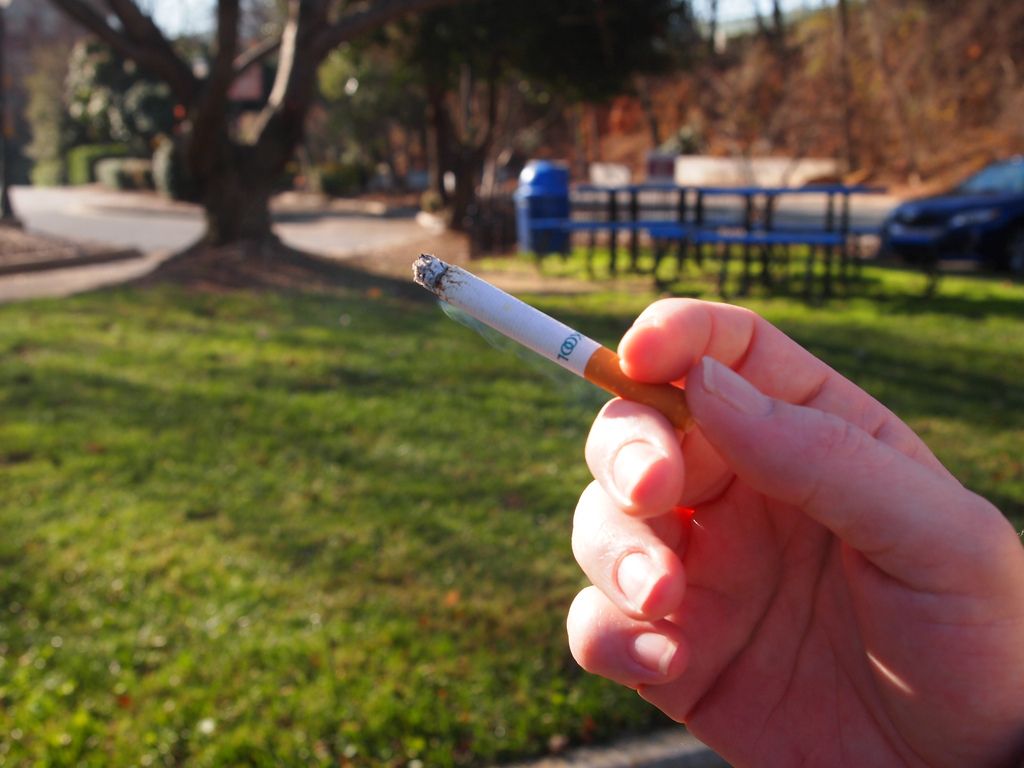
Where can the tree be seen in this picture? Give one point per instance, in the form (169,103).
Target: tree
(234,172)
(575,50)
(371,98)
(776,32)
(111,99)
(845,85)
(52,131)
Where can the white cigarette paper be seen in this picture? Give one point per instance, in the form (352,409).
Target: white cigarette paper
(543,334)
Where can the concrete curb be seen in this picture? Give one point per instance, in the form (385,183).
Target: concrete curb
(72,279)
(281,204)
(673,748)
(80,260)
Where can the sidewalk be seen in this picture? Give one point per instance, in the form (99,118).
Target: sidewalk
(22,252)
(77,277)
(34,265)
(672,748)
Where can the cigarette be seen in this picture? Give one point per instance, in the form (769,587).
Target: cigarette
(548,337)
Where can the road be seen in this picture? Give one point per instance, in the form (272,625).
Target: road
(150,223)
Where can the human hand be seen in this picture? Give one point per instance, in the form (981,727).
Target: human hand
(798,579)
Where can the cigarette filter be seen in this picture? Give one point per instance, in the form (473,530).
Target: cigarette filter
(546,336)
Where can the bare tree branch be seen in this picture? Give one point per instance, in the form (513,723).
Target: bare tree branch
(212,107)
(298,59)
(137,24)
(712,25)
(141,41)
(370,16)
(294,84)
(257,53)
(223,70)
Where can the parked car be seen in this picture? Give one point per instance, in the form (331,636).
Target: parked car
(981,219)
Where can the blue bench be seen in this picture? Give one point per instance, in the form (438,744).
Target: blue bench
(766,243)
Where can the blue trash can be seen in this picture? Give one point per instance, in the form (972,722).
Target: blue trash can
(542,202)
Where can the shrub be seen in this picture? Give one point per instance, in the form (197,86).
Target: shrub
(125,173)
(430,201)
(339,179)
(82,160)
(290,178)
(48,173)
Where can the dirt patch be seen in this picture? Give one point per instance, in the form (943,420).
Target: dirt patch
(272,265)
(396,261)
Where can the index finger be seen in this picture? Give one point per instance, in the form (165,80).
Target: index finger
(671,336)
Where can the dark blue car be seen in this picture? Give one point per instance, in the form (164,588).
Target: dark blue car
(982,220)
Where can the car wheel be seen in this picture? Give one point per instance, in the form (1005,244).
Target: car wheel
(1015,251)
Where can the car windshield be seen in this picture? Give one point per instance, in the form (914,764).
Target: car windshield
(999,177)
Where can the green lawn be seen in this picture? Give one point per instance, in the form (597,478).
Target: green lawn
(316,529)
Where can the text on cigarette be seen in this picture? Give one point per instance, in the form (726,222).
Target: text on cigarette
(568,346)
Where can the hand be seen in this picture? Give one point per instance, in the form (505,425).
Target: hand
(797,579)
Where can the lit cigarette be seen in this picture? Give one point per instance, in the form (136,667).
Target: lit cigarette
(546,336)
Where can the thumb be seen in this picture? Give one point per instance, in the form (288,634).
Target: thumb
(915,523)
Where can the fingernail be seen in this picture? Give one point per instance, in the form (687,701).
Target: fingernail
(646,320)
(654,652)
(733,390)
(639,324)
(629,466)
(637,578)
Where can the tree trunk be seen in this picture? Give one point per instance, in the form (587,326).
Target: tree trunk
(439,137)
(897,95)
(712,28)
(846,86)
(236,210)
(235,194)
(233,179)
(643,92)
(778,24)
(470,133)
(464,195)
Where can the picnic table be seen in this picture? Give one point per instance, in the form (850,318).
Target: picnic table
(693,218)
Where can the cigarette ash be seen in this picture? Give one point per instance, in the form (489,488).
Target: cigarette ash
(427,270)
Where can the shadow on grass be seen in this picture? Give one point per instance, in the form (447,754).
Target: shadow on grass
(970,294)
(271,266)
(318,421)
(899,288)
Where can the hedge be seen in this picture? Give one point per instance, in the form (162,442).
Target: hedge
(48,173)
(82,160)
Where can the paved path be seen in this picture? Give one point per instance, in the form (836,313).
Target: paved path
(149,222)
(110,222)
(78,279)
(671,748)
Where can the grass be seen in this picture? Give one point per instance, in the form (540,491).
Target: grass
(283,530)
(308,529)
